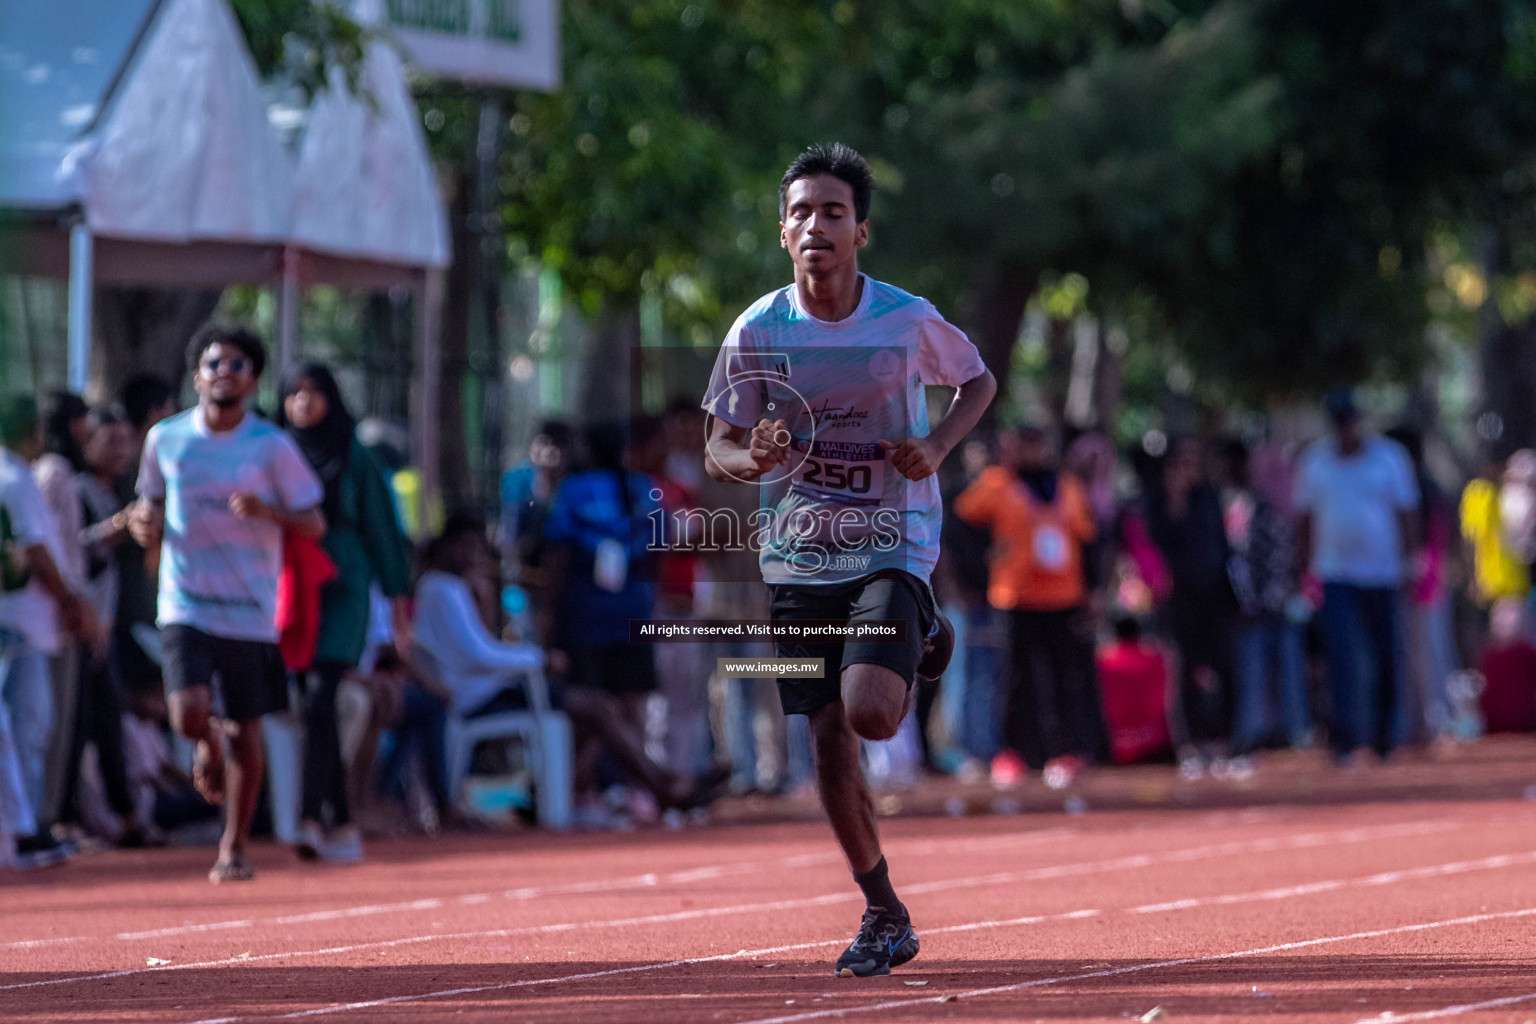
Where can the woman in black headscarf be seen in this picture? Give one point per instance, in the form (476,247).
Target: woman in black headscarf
(364,540)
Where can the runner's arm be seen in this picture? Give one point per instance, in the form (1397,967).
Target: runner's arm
(309,522)
(971,400)
(146,522)
(918,457)
(727,459)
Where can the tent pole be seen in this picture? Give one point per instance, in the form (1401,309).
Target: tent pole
(424,396)
(81,288)
(288,307)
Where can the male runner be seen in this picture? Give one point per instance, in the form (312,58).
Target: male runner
(220,486)
(817,397)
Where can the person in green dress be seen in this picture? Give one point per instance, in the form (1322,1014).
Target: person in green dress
(367,544)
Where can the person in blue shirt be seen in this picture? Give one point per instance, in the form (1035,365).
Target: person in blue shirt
(526,490)
(597,532)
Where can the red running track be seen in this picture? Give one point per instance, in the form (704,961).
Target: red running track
(1408,890)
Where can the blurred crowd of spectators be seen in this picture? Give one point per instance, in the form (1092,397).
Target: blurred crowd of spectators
(1193,601)
(1214,598)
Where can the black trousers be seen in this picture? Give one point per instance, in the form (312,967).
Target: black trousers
(1202,627)
(98,720)
(325,777)
(1053,701)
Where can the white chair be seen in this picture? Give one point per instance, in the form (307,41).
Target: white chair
(544,732)
(282,734)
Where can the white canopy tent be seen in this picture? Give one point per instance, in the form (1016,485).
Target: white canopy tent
(366,212)
(136,149)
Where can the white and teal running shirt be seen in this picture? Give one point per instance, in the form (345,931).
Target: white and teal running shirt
(839,509)
(218,573)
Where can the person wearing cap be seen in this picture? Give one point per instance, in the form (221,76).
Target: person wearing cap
(1358,500)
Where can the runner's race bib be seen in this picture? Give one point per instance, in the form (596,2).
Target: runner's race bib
(847,472)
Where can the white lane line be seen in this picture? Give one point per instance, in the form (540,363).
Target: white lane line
(499,933)
(1141,860)
(1310,888)
(800,903)
(643,881)
(1155,965)
(1449,1011)
(1304,841)
(641,968)
(975,993)
(909,847)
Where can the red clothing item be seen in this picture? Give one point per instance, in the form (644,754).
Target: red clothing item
(306,571)
(1133,684)
(1509,698)
(675,571)
(1149,562)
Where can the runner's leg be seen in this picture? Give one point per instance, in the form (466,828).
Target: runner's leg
(844,791)
(875,700)
(191,712)
(242,786)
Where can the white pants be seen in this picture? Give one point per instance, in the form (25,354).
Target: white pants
(17,810)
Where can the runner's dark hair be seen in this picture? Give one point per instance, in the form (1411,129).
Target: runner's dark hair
(226,334)
(838,160)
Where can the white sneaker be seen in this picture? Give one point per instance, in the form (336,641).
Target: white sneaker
(309,841)
(1235,769)
(344,846)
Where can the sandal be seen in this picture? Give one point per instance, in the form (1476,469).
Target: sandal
(236,870)
(208,772)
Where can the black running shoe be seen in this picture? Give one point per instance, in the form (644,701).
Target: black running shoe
(938,648)
(885,940)
(40,850)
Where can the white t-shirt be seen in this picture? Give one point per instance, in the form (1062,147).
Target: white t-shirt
(471,664)
(1354,502)
(839,510)
(31,611)
(218,573)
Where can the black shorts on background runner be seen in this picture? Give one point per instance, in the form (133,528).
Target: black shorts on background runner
(252,678)
(889,594)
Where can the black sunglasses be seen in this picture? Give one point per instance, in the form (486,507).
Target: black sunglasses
(234,364)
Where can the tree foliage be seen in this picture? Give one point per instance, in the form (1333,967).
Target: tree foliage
(302,40)
(1265,174)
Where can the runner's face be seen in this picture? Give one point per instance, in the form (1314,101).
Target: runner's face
(819,228)
(225,375)
(305,405)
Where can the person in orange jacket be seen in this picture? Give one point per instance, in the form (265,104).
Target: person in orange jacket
(1040,520)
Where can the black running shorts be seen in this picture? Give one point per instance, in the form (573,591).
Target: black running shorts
(252,679)
(890,594)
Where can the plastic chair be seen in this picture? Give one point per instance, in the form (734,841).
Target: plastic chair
(545,733)
(282,734)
